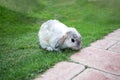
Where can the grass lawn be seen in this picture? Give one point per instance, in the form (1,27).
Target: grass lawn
(20,55)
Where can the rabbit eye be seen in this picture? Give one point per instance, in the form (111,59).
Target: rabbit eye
(73,40)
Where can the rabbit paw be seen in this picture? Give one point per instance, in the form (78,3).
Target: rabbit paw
(49,49)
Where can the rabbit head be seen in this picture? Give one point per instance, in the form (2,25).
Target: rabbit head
(73,39)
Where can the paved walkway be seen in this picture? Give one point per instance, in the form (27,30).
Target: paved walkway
(100,61)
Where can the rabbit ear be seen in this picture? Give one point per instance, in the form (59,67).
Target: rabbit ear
(71,33)
(60,41)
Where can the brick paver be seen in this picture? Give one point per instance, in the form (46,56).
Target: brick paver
(100,59)
(103,43)
(61,71)
(114,35)
(91,74)
(115,48)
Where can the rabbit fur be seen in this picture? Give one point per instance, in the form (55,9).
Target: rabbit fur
(54,36)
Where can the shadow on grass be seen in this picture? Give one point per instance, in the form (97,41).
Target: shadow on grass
(24,6)
(14,23)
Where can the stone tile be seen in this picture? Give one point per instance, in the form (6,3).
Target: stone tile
(61,71)
(104,43)
(115,48)
(114,35)
(100,59)
(91,74)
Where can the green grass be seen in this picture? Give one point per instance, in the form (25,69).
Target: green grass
(20,55)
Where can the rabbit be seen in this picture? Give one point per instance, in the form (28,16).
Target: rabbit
(54,36)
